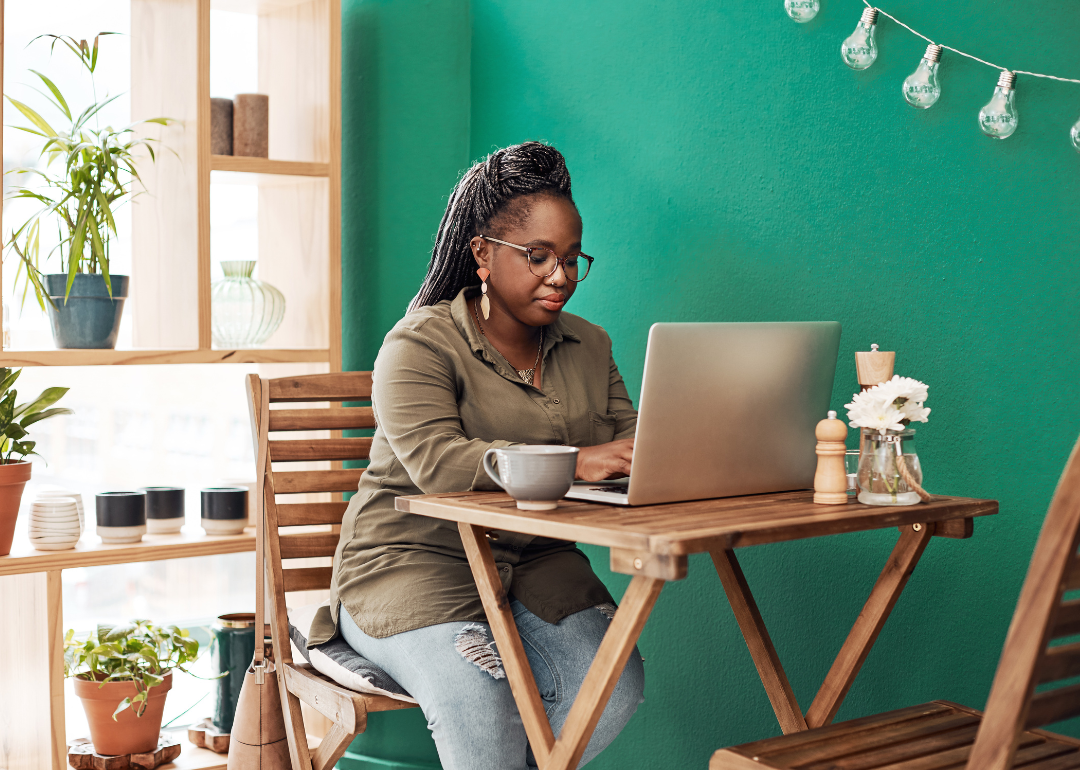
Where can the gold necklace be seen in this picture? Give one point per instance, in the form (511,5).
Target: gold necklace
(526,375)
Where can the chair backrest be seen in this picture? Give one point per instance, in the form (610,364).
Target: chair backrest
(1034,653)
(288,525)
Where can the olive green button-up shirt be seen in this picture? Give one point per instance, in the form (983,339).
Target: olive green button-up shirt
(442,397)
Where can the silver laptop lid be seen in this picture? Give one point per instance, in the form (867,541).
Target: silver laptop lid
(730,408)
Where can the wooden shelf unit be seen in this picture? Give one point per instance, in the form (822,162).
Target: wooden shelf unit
(299,186)
(299,252)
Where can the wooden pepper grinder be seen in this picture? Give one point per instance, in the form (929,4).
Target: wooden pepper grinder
(875,367)
(830,481)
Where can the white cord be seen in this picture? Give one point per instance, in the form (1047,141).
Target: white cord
(962,53)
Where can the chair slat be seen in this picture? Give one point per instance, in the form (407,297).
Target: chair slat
(307,578)
(342,386)
(320,449)
(784,743)
(908,748)
(295,482)
(299,514)
(1069,761)
(1059,663)
(1072,575)
(344,418)
(871,739)
(1067,621)
(308,544)
(1053,706)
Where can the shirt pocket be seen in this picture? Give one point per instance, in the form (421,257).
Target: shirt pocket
(601,427)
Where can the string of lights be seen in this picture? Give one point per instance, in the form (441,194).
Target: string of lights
(921,89)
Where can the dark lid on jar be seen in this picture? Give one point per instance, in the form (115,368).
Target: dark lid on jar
(121,509)
(224,503)
(164,502)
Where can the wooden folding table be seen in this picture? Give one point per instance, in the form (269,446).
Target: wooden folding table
(652,543)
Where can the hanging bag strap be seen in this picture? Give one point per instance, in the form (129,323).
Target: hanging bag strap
(262,464)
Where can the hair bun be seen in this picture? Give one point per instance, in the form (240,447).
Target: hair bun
(527,167)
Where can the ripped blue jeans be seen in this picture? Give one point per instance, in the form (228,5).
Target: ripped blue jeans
(454,671)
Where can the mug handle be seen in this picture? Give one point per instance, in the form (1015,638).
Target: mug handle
(489,466)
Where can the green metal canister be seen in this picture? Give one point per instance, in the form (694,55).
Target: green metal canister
(231,651)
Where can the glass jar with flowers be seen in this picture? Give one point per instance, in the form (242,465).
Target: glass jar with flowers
(889,469)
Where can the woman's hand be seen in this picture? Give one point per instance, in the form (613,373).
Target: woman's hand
(606,461)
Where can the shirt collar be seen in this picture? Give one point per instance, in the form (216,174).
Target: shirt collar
(461,312)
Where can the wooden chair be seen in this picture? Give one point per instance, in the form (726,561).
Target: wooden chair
(942,735)
(284,525)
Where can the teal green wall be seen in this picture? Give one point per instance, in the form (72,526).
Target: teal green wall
(729,167)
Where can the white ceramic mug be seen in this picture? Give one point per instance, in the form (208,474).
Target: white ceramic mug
(535,476)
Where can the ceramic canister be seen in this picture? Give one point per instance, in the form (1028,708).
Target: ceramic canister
(224,510)
(231,651)
(54,524)
(51,492)
(164,509)
(121,516)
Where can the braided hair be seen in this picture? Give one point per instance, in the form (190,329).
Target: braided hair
(491,190)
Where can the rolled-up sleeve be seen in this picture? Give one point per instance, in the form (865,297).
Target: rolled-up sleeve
(415,399)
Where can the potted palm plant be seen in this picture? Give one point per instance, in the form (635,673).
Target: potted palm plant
(15,421)
(122,675)
(88,172)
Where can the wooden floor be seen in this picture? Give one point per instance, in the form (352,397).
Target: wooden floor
(934,736)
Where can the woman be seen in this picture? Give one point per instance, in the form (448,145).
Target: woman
(457,376)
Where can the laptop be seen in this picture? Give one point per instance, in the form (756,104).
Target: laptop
(726,409)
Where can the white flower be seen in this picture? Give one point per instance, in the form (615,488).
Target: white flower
(903,387)
(914,412)
(889,406)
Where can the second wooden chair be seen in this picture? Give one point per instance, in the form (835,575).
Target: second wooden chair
(940,734)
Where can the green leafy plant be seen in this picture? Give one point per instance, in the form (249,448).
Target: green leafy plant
(88,172)
(138,652)
(16,419)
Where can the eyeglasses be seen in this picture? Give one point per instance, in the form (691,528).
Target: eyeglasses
(544,262)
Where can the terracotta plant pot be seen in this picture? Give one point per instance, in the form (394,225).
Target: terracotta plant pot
(129,734)
(13,477)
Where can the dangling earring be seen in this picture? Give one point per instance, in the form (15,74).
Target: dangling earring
(485,303)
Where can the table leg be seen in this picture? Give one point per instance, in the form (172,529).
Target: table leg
(864,633)
(603,674)
(501,619)
(777,687)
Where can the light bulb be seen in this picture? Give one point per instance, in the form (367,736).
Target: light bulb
(859,51)
(998,119)
(802,10)
(1074,135)
(921,87)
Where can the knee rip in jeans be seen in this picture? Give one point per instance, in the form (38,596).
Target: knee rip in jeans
(475,646)
(607,609)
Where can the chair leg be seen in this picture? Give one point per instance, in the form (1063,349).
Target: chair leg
(295,733)
(332,747)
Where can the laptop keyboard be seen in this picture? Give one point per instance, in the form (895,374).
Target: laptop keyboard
(619,489)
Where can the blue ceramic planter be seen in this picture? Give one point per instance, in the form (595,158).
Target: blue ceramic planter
(89,318)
